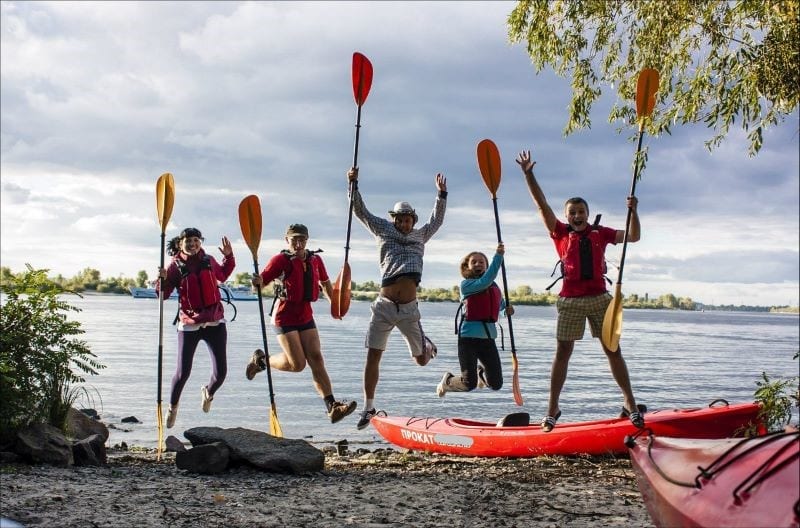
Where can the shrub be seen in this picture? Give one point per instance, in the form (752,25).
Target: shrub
(40,356)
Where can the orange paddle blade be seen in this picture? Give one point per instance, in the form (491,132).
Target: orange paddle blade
(489,165)
(165,198)
(250,222)
(515,381)
(646,88)
(341,293)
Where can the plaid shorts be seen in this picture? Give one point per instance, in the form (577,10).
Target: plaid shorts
(574,311)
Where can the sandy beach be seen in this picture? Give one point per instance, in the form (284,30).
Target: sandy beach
(362,488)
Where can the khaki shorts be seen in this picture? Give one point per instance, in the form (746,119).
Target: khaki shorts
(386,315)
(573,313)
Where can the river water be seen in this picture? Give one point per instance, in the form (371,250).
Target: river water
(676,359)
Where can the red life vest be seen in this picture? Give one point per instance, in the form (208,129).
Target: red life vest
(198,289)
(483,306)
(583,256)
(301,282)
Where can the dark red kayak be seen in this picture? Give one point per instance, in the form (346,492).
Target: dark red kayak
(750,483)
(458,436)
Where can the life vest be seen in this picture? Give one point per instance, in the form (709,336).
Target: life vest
(198,290)
(579,261)
(483,306)
(298,284)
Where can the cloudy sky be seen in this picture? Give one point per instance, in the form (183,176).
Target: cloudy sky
(99,99)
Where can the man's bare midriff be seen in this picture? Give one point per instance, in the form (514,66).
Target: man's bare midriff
(403,291)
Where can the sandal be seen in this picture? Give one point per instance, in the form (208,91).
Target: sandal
(549,422)
(636,417)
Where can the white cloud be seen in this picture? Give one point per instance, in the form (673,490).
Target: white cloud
(100,98)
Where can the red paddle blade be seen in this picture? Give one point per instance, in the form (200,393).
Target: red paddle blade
(489,165)
(646,88)
(362,78)
(340,302)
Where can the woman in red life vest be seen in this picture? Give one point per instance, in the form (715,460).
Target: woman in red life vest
(482,302)
(581,248)
(301,273)
(201,316)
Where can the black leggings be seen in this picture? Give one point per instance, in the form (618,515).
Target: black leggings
(216,337)
(474,349)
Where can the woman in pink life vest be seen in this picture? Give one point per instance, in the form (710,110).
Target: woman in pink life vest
(201,316)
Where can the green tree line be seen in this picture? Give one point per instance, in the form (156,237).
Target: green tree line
(90,280)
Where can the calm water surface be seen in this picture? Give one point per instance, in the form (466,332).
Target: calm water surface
(676,359)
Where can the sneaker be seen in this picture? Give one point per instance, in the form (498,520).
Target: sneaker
(258,363)
(482,377)
(341,409)
(441,388)
(366,416)
(207,398)
(172,415)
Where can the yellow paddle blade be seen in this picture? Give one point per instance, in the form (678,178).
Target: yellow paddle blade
(515,380)
(165,199)
(489,165)
(160,425)
(274,424)
(341,293)
(612,322)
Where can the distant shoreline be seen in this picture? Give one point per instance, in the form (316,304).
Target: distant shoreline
(790,310)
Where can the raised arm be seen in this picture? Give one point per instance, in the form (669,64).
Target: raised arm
(635,233)
(526,164)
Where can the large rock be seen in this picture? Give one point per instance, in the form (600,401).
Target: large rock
(80,426)
(264,451)
(90,451)
(45,444)
(207,459)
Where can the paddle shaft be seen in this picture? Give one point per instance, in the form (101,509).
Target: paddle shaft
(352,184)
(264,336)
(630,211)
(505,281)
(161,319)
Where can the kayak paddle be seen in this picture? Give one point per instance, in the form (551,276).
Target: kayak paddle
(489,165)
(362,81)
(646,88)
(250,223)
(165,199)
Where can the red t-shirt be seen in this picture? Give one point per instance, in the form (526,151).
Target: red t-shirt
(567,246)
(291,313)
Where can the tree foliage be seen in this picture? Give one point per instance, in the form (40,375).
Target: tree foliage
(718,61)
(40,353)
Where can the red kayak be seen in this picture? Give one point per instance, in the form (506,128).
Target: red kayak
(713,483)
(456,436)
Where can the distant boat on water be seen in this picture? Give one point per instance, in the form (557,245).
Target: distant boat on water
(229,291)
(239,293)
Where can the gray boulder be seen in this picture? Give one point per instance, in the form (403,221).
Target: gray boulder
(80,426)
(89,451)
(264,451)
(45,444)
(207,459)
